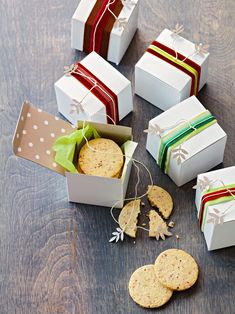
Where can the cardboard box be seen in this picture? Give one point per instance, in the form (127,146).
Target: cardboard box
(35,133)
(163,84)
(205,150)
(217,235)
(69,88)
(119,38)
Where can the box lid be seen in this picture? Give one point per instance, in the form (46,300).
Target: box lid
(35,134)
(36,131)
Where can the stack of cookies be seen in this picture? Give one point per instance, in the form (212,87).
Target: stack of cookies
(101,157)
(152,286)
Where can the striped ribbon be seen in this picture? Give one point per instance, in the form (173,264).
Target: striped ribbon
(182,63)
(99,26)
(102,92)
(181,134)
(214,197)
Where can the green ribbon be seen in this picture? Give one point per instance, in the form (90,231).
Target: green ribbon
(179,62)
(181,134)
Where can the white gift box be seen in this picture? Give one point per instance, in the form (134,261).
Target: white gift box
(35,133)
(69,88)
(217,235)
(163,84)
(120,37)
(205,150)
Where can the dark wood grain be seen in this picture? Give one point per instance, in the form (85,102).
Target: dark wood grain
(40,272)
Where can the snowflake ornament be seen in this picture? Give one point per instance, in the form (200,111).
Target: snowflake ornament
(128,3)
(204,184)
(179,154)
(154,129)
(69,69)
(121,23)
(118,235)
(162,232)
(215,217)
(177,30)
(201,49)
(76,107)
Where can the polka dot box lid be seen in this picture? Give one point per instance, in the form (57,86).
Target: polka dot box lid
(35,134)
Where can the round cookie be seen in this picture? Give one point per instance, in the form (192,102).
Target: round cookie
(176,269)
(160,198)
(146,290)
(103,157)
(128,217)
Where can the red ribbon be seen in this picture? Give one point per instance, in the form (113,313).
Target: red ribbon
(210,197)
(99,26)
(180,57)
(110,101)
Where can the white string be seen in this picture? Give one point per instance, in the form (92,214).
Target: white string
(136,185)
(97,24)
(96,85)
(228,190)
(178,123)
(220,193)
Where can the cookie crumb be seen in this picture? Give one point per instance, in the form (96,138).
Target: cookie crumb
(142,204)
(144,224)
(177,236)
(171,224)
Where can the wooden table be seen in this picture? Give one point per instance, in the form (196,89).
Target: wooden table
(37,274)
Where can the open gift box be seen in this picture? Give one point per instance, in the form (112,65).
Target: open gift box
(93,90)
(215,202)
(105,26)
(35,133)
(186,140)
(164,80)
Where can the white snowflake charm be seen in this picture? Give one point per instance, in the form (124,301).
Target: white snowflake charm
(154,129)
(121,23)
(179,154)
(117,235)
(76,106)
(162,231)
(128,3)
(215,217)
(69,69)
(204,184)
(177,30)
(201,49)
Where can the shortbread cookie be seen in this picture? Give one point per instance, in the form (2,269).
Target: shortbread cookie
(157,226)
(176,269)
(160,198)
(146,290)
(128,217)
(103,157)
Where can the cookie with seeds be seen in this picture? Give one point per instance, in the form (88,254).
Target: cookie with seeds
(157,226)
(161,199)
(146,290)
(101,157)
(176,269)
(128,217)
